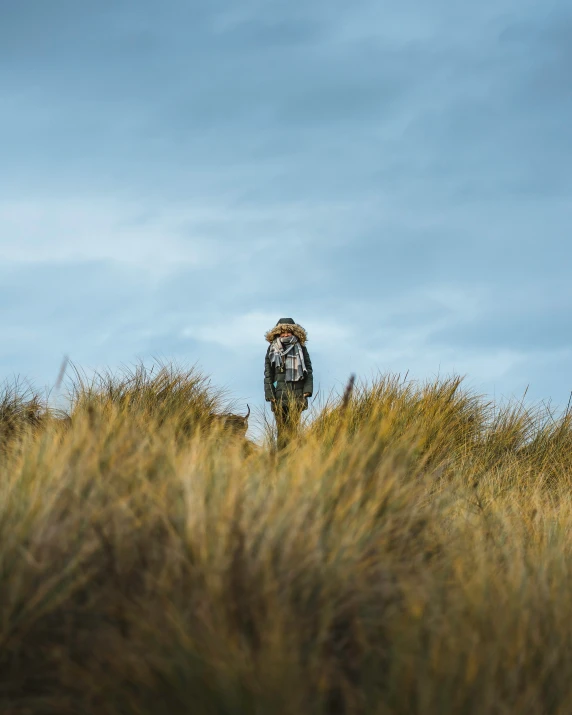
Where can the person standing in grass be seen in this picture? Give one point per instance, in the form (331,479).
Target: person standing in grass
(288,376)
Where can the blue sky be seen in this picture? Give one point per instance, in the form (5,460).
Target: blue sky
(396,176)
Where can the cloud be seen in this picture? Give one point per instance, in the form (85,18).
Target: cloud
(396,178)
(237,334)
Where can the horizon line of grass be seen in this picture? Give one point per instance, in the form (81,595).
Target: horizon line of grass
(409,554)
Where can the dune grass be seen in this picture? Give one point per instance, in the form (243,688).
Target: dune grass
(409,554)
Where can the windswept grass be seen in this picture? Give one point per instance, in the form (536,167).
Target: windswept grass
(22,409)
(411,553)
(165,395)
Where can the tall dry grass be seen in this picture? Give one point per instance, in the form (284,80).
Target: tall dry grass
(410,553)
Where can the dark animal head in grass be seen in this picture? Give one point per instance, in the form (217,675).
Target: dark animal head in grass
(233,425)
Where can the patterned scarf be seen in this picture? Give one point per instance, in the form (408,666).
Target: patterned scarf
(286,352)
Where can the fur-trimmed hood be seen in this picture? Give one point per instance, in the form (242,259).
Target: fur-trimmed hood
(293,328)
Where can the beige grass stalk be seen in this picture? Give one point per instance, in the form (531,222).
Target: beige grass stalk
(410,553)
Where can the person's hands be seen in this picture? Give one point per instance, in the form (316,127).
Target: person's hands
(306,394)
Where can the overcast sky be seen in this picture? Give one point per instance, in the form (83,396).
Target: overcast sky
(396,176)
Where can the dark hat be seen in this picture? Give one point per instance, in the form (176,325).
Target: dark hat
(286,321)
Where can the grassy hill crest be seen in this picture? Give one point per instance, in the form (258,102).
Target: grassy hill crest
(409,553)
